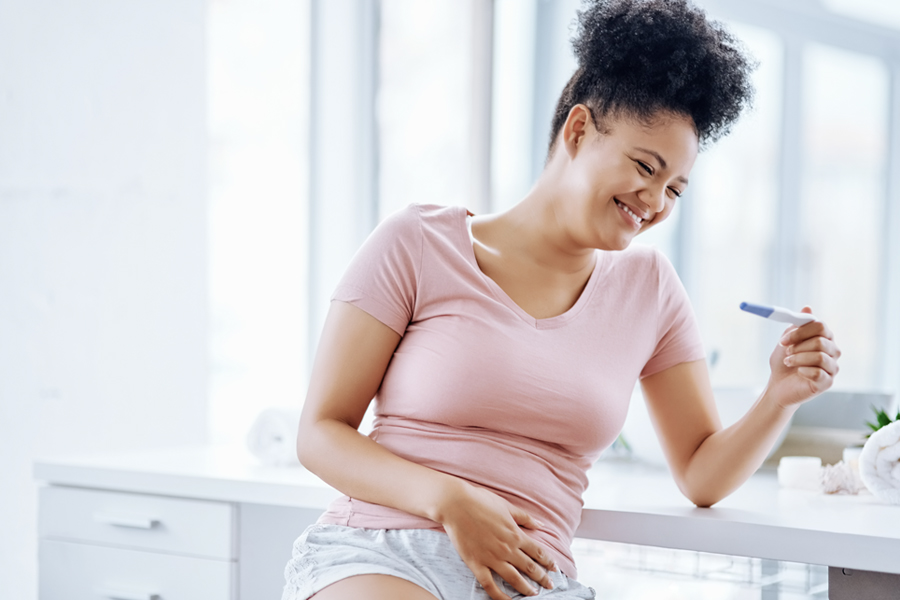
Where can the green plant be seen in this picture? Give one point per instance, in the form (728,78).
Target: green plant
(883,420)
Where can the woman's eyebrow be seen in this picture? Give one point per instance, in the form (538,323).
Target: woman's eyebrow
(661,160)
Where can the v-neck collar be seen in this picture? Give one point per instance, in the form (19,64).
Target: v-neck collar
(559,320)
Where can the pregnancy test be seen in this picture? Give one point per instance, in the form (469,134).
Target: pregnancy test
(776,313)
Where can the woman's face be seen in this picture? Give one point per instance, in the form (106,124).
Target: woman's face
(625,179)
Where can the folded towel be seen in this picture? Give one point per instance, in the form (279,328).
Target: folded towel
(879,463)
(272,437)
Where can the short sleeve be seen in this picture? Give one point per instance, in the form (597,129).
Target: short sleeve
(383,275)
(678,336)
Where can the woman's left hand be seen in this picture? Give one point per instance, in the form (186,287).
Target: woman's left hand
(804,363)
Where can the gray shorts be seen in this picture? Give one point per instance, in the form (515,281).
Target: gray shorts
(325,554)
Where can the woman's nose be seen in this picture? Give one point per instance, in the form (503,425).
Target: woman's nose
(654,198)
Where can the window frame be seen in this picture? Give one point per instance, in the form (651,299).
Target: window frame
(342,213)
(799,24)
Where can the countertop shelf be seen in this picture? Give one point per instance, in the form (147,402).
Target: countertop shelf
(637,504)
(626,502)
(224,473)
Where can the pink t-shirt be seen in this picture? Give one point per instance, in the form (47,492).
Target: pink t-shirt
(481,390)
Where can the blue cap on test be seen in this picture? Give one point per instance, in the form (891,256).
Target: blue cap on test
(756,309)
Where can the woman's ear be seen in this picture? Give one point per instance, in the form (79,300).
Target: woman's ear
(575,129)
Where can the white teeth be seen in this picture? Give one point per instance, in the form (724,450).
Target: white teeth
(636,218)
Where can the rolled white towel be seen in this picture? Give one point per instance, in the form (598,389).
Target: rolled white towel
(272,438)
(879,463)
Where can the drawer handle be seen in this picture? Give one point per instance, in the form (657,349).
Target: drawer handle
(118,594)
(126,521)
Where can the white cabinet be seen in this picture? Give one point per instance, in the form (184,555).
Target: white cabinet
(174,525)
(80,571)
(99,544)
(114,544)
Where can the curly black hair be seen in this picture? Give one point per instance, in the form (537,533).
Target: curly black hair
(641,58)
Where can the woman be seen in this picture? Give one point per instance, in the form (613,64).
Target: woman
(503,348)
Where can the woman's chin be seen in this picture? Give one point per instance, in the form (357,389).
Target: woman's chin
(615,240)
(619,244)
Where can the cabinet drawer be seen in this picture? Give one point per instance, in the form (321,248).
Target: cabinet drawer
(72,571)
(189,527)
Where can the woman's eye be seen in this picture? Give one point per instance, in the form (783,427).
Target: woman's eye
(646,167)
(675,193)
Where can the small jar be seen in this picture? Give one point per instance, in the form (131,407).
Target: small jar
(851,454)
(851,458)
(800,472)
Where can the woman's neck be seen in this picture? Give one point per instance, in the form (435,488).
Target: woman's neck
(535,231)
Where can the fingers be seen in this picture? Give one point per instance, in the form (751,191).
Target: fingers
(513,577)
(531,550)
(489,537)
(534,571)
(526,565)
(804,332)
(813,350)
(522,571)
(810,361)
(817,376)
(530,559)
(816,344)
(816,360)
(524,519)
(536,553)
(486,579)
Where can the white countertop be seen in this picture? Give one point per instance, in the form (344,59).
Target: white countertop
(626,502)
(642,505)
(225,473)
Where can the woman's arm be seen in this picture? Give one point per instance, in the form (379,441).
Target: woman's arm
(353,355)
(709,462)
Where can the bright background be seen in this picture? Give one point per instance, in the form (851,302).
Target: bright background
(182,181)
(808,229)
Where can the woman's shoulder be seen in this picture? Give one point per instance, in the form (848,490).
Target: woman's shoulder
(425,216)
(640,255)
(427,223)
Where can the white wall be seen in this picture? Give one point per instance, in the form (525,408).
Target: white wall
(103,311)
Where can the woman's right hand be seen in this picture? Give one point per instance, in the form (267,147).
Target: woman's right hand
(486,531)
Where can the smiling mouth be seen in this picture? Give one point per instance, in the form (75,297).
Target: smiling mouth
(638,220)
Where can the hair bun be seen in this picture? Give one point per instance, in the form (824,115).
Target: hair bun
(647,56)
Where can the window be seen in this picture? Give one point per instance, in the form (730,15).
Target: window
(258,106)
(792,207)
(845,109)
(431,92)
(731,205)
(423,103)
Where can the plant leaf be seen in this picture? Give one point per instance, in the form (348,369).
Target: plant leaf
(882,418)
